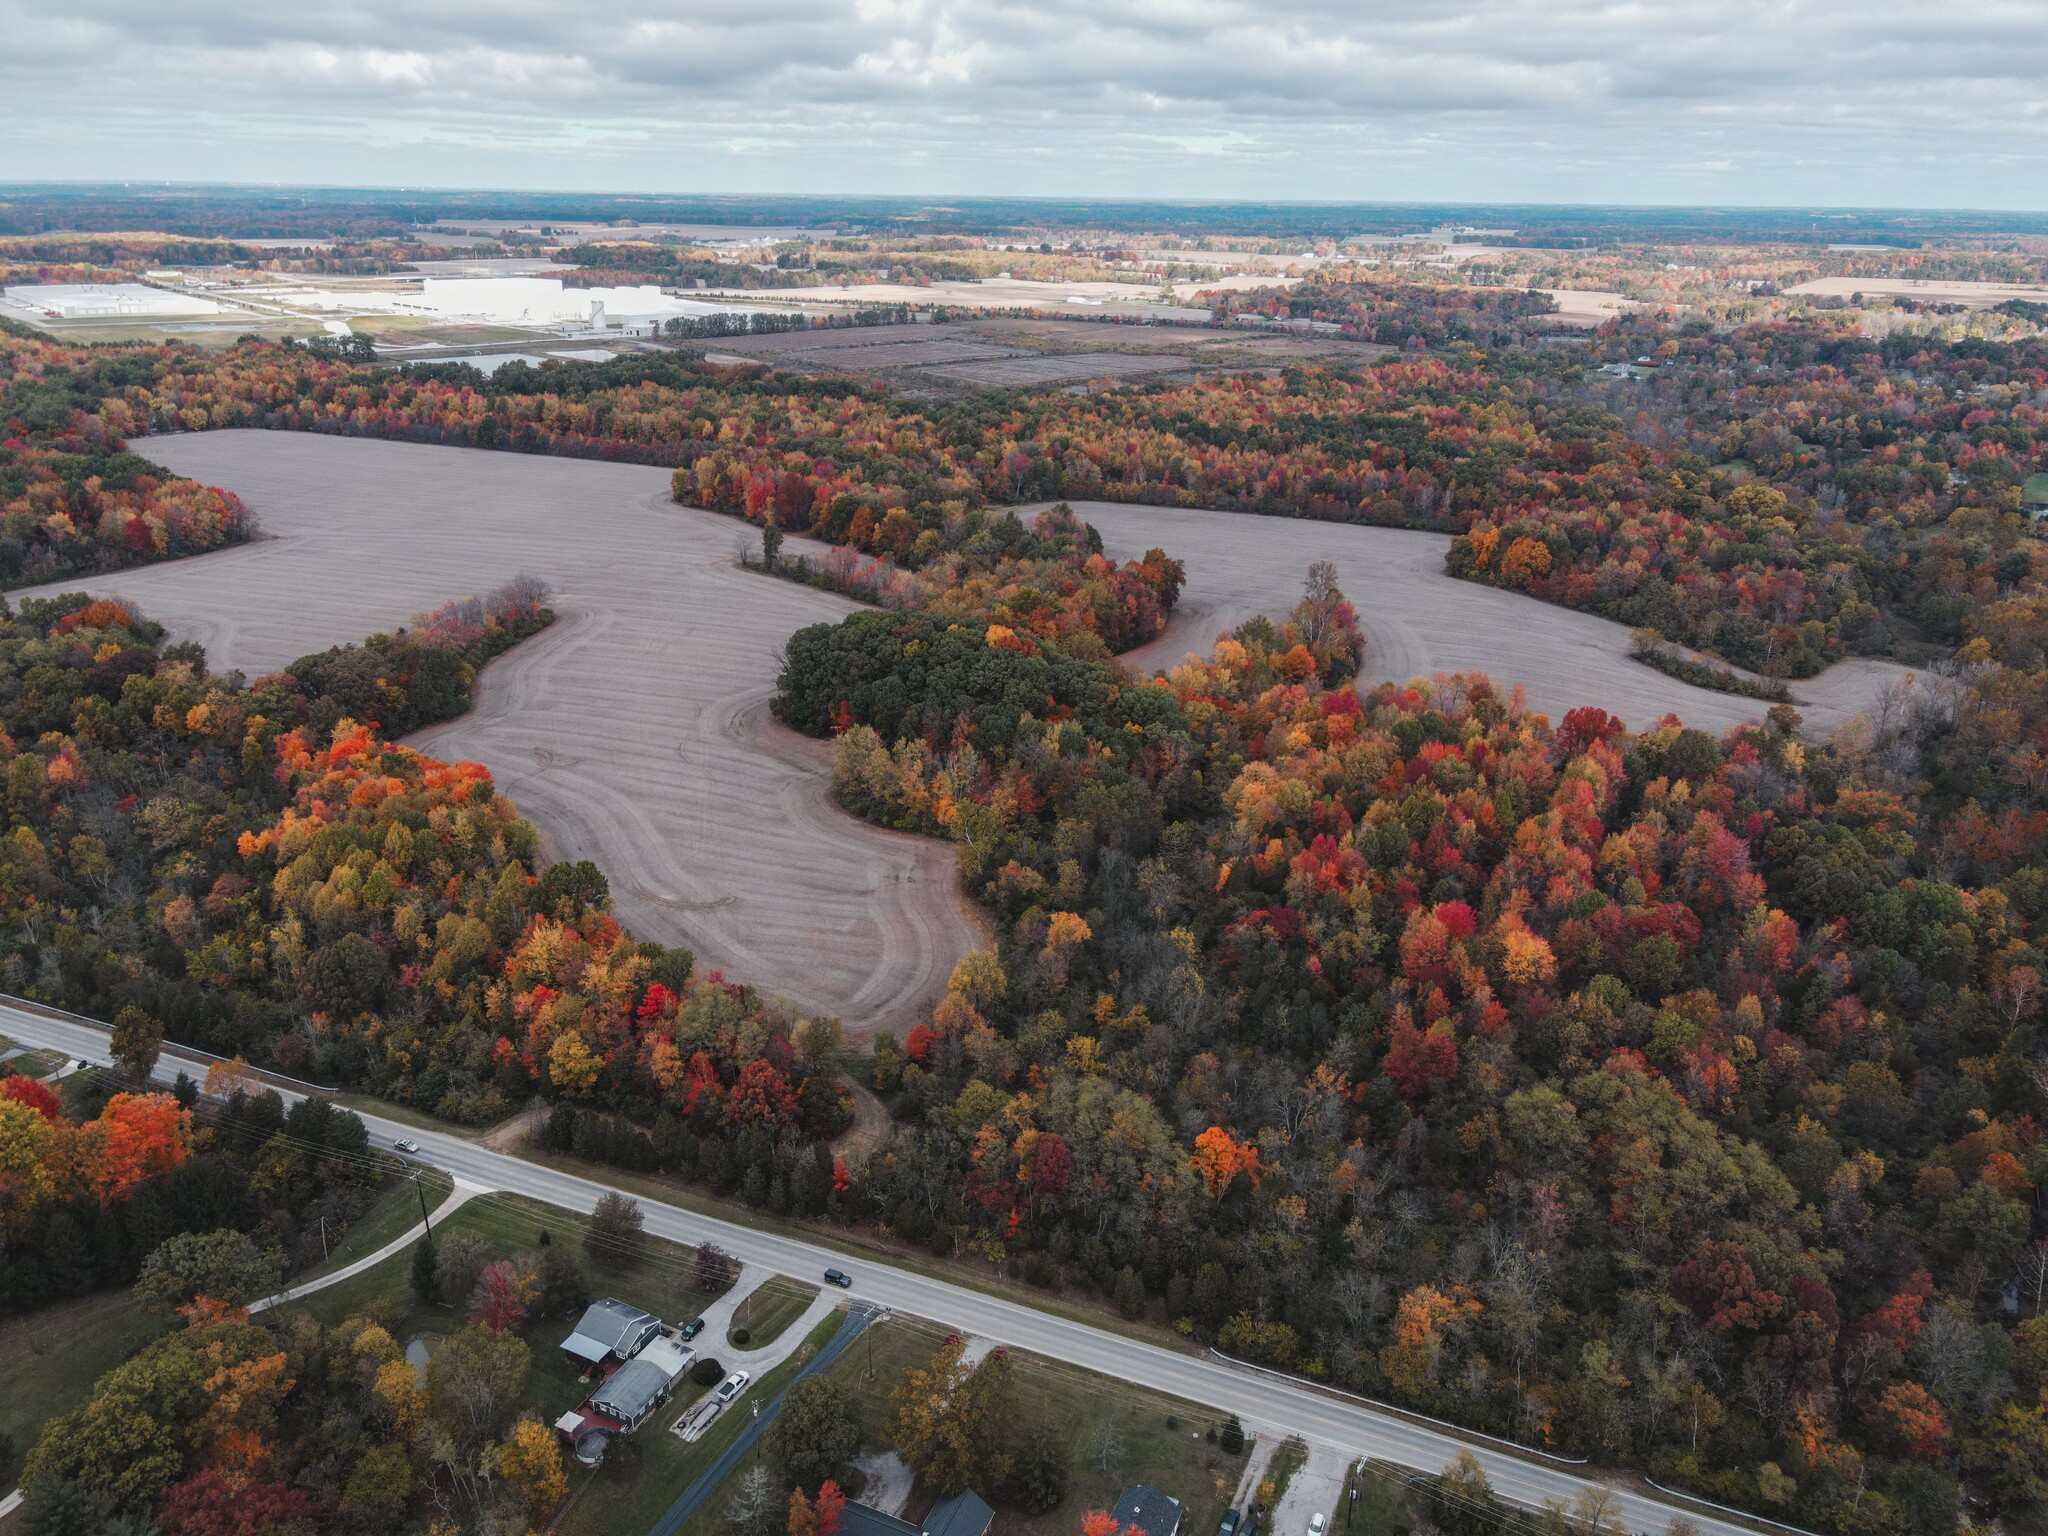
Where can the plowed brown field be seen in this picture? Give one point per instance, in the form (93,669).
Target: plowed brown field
(634,732)
(1419,621)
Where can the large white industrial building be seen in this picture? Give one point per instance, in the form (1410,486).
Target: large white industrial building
(94,301)
(534,301)
(539,301)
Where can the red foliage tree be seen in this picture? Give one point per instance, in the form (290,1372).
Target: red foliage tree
(1723,1290)
(1419,1061)
(504,1291)
(207,1504)
(762,1093)
(33,1092)
(1051,1167)
(830,1506)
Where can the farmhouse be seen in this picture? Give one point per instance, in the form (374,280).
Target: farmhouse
(1148,1510)
(609,1334)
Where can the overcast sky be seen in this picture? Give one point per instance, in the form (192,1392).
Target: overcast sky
(1864,102)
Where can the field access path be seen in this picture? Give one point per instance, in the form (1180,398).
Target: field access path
(633,732)
(1419,621)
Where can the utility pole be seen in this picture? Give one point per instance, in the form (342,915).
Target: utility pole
(323,1239)
(425,1221)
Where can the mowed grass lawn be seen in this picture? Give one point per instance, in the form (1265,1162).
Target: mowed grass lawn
(510,1224)
(396,1210)
(768,1309)
(647,1473)
(50,1359)
(1119,1434)
(38,1063)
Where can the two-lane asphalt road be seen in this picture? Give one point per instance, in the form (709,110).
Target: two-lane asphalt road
(1275,1406)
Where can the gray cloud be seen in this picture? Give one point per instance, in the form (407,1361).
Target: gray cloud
(1628,100)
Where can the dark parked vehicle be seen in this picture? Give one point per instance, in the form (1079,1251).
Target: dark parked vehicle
(691,1329)
(838,1277)
(1249,1525)
(1229,1525)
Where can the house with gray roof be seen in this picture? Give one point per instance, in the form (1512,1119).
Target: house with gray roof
(633,1392)
(608,1334)
(1147,1509)
(964,1514)
(865,1520)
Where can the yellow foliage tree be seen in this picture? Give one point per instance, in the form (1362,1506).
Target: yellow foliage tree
(1525,561)
(1422,1322)
(25,1138)
(572,1065)
(398,1389)
(531,1461)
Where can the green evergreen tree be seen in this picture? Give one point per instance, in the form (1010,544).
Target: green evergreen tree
(425,1269)
(68,1255)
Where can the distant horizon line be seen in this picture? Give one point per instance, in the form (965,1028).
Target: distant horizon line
(140,186)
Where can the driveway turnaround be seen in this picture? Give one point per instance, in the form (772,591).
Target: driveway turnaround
(858,1316)
(1265,1403)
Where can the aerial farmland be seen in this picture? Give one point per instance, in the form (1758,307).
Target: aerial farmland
(635,732)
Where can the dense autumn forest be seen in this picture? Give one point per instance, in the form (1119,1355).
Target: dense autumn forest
(73,499)
(1779,494)
(1664,1099)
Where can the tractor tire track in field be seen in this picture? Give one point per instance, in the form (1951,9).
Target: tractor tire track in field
(634,731)
(1419,621)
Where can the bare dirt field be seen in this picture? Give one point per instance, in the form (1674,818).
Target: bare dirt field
(989,293)
(1587,306)
(634,732)
(866,346)
(1971,295)
(1027,369)
(1017,353)
(1418,621)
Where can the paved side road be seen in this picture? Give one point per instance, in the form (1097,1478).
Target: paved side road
(858,1317)
(1264,1404)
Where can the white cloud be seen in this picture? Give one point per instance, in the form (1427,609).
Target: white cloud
(1887,101)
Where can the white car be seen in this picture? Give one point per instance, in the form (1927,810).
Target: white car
(733,1385)
(1317,1524)
(406,1144)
